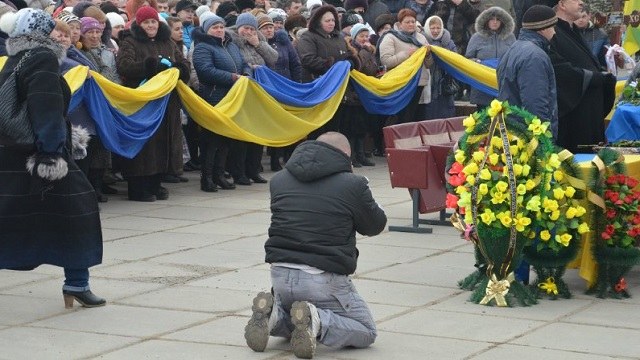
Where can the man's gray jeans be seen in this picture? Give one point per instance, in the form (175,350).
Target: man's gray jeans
(344,316)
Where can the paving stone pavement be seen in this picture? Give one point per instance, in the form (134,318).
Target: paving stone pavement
(179,276)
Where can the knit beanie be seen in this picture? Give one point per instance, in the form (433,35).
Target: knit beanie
(89,23)
(264,20)
(383,20)
(115,19)
(145,13)
(68,17)
(210,21)
(246,19)
(312,4)
(201,10)
(25,21)
(357,28)
(539,17)
(205,16)
(352,4)
(349,19)
(245,4)
(226,8)
(277,14)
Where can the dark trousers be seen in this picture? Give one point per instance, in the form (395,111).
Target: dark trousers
(141,186)
(408,114)
(214,150)
(244,159)
(334,124)
(191,134)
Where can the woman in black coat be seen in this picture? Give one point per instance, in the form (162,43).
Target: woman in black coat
(48,210)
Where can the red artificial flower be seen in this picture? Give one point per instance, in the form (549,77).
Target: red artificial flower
(621,285)
(456,168)
(631,182)
(611,213)
(605,236)
(635,219)
(452,201)
(457,180)
(612,196)
(611,180)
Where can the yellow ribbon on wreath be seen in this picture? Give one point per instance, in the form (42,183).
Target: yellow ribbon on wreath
(549,286)
(498,289)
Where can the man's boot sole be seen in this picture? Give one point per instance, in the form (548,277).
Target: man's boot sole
(303,342)
(256,333)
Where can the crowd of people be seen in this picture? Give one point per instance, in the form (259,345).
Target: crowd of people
(554,69)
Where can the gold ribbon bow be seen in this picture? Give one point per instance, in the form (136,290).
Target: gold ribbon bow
(549,286)
(498,290)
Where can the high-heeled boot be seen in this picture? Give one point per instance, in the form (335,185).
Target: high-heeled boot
(359,152)
(85,298)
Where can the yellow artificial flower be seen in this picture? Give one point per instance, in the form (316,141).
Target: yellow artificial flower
(537,127)
(514,150)
(483,189)
(459,156)
(493,158)
(558,193)
(545,235)
(488,216)
(469,122)
(563,239)
(503,157)
(534,204)
(478,156)
(549,205)
(498,197)
(471,169)
(485,174)
(530,184)
(524,157)
(558,175)
(554,162)
(496,107)
(517,169)
(569,191)
(521,222)
(496,142)
(580,211)
(555,215)
(461,190)
(525,170)
(504,218)
(521,189)
(571,212)
(465,199)
(471,179)
(583,228)
(468,217)
(502,186)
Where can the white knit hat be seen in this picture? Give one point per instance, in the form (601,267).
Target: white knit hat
(201,10)
(26,21)
(115,19)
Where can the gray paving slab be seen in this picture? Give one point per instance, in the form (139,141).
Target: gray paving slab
(180,275)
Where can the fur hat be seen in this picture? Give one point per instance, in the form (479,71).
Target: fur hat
(352,4)
(383,20)
(349,19)
(539,17)
(245,4)
(358,28)
(226,8)
(115,19)
(4,8)
(89,23)
(67,17)
(185,4)
(145,13)
(210,21)
(295,21)
(312,4)
(264,20)
(246,19)
(26,21)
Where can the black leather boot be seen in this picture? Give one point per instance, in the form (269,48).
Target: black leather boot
(85,298)
(206,171)
(359,152)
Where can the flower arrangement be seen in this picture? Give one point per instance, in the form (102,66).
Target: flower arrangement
(507,181)
(631,93)
(617,214)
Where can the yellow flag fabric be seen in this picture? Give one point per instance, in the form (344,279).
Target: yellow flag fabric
(632,36)
(395,79)
(481,73)
(249,113)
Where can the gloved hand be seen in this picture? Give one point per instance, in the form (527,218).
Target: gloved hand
(47,166)
(164,64)
(79,141)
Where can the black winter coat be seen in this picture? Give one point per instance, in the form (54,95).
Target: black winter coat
(288,64)
(317,205)
(585,95)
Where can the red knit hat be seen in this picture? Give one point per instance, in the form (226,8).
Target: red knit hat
(145,13)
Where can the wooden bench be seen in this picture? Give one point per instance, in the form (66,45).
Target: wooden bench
(417,154)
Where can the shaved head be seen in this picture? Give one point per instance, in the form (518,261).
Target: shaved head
(336,140)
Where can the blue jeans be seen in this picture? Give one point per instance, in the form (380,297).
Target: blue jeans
(76,279)
(344,316)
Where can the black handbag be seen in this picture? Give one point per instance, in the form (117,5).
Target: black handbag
(449,86)
(14,117)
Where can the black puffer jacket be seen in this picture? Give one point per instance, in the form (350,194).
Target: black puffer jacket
(317,205)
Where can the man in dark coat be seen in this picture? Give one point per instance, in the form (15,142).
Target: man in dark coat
(317,207)
(585,92)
